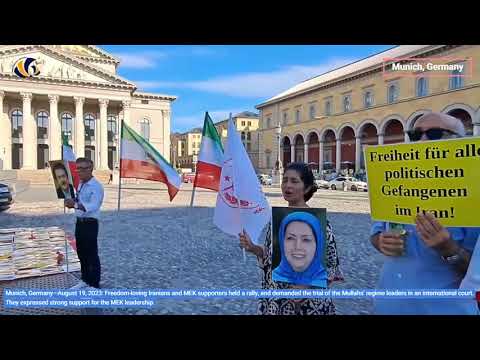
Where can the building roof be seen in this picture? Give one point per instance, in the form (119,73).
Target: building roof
(370,63)
(243,114)
(145,95)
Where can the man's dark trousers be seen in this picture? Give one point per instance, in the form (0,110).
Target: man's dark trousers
(86,233)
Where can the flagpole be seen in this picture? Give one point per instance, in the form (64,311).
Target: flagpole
(65,218)
(239,209)
(117,256)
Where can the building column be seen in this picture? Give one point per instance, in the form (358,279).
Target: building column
(380,139)
(79,127)
(292,153)
(166,134)
(55,129)
(5,137)
(406,138)
(338,155)
(126,114)
(103,136)
(305,153)
(358,152)
(476,124)
(320,156)
(29,132)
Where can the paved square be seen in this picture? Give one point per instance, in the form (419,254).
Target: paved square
(152,243)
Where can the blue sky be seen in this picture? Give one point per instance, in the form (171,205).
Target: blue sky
(227,78)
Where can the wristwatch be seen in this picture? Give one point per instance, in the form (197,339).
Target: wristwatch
(452,259)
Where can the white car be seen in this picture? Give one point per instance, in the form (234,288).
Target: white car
(352,184)
(322,184)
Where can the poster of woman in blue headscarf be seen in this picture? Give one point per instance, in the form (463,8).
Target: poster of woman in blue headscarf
(299,246)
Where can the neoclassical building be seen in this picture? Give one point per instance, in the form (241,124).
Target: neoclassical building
(327,120)
(74,90)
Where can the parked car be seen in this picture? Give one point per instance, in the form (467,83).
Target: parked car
(351,183)
(6,196)
(188,177)
(265,179)
(321,182)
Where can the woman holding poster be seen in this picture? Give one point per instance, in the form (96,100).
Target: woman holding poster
(298,187)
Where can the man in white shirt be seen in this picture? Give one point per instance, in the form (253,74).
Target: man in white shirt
(87,211)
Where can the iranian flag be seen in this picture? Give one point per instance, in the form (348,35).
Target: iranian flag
(241,203)
(210,158)
(69,159)
(140,160)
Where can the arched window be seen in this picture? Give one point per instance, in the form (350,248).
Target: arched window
(89,122)
(145,129)
(17,124)
(312,112)
(42,125)
(347,103)
(422,86)
(111,127)
(392,93)
(67,125)
(368,101)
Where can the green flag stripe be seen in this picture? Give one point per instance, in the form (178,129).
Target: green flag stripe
(210,131)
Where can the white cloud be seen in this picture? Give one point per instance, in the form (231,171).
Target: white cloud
(140,60)
(255,84)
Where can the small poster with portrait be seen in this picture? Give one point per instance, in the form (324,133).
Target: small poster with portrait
(62,179)
(299,246)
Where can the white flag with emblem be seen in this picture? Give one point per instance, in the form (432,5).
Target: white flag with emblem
(241,203)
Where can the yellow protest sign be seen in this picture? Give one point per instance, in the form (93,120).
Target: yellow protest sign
(442,177)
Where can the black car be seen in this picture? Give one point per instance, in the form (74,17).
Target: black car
(6,198)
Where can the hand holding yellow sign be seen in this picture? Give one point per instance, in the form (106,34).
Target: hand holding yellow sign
(441,177)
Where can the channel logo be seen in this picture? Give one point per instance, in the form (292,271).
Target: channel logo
(26,67)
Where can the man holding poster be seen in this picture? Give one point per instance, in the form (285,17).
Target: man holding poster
(420,252)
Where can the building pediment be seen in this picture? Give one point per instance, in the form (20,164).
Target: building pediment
(57,64)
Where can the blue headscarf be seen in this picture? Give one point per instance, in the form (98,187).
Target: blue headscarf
(315,274)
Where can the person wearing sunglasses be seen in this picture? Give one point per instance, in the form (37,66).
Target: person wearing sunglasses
(425,255)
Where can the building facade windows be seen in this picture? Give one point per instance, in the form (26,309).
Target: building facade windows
(17,124)
(67,125)
(145,129)
(297,116)
(456,80)
(347,103)
(392,93)
(285,118)
(368,99)
(89,127)
(312,112)
(42,125)
(269,123)
(111,127)
(422,87)
(328,107)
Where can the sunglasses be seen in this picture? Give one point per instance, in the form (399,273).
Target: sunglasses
(432,134)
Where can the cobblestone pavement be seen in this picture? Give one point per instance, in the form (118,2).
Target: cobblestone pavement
(152,243)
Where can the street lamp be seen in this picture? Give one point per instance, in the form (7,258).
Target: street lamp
(278,131)
(278,164)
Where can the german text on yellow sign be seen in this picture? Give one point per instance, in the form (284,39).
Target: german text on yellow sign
(442,177)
